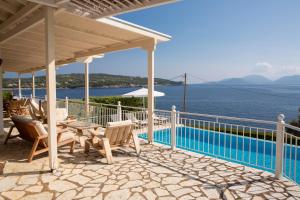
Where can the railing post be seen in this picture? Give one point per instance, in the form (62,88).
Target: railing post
(177,117)
(279,145)
(119,111)
(67,105)
(173,128)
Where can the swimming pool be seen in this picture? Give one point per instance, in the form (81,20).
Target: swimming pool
(257,153)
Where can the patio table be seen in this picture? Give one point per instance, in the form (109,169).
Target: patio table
(81,127)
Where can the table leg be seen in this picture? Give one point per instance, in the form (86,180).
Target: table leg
(81,138)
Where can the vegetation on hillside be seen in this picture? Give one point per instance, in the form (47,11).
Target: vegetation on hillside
(113,100)
(96,80)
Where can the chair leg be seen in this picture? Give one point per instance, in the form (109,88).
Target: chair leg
(107,150)
(34,147)
(136,144)
(87,146)
(8,134)
(72,146)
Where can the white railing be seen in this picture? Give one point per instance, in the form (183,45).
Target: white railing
(268,145)
(291,153)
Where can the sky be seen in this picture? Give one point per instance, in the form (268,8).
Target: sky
(213,40)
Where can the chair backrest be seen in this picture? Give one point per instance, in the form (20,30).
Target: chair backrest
(29,129)
(131,117)
(34,106)
(119,133)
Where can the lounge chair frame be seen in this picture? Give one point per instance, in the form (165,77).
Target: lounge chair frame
(29,132)
(115,137)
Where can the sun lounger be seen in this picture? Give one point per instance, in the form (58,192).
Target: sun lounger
(131,117)
(34,131)
(116,135)
(158,120)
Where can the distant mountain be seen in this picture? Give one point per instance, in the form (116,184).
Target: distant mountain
(96,80)
(260,80)
(288,80)
(251,79)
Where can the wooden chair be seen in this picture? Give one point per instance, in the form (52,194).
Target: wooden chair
(34,131)
(61,114)
(34,111)
(17,107)
(116,135)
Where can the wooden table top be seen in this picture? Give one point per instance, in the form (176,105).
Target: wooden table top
(82,125)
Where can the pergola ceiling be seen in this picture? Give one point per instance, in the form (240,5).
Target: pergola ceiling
(91,8)
(103,8)
(22,37)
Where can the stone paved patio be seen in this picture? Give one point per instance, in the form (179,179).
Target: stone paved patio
(158,173)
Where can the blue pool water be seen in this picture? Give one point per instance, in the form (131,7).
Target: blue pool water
(243,150)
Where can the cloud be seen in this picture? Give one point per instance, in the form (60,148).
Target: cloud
(268,70)
(289,70)
(263,67)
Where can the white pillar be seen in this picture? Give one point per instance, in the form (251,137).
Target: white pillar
(119,111)
(173,128)
(33,85)
(150,50)
(279,145)
(67,105)
(51,86)
(19,85)
(86,89)
(1,101)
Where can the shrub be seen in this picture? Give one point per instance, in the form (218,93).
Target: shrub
(7,96)
(125,101)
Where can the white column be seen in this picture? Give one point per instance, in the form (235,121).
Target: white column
(19,85)
(51,86)
(150,50)
(173,128)
(279,145)
(67,105)
(33,85)
(119,111)
(1,101)
(86,90)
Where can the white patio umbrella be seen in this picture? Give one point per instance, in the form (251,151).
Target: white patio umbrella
(143,92)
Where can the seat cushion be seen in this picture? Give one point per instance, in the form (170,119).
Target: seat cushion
(40,127)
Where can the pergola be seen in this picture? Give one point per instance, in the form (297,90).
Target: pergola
(44,34)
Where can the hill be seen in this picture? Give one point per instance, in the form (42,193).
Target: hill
(251,79)
(260,80)
(96,80)
(288,80)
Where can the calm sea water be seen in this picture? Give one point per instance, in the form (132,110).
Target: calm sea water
(260,102)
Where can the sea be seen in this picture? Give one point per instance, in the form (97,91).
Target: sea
(249,101)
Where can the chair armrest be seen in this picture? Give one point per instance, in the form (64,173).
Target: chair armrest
(93,132)
(63,131)
(71,117)
(42,137)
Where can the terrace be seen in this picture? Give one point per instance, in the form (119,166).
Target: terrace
(159,172)
(184,155)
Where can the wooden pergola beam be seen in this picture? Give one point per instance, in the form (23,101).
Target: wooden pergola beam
(36,19)
(7,7)
(111,48)
(19,15)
